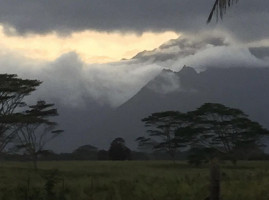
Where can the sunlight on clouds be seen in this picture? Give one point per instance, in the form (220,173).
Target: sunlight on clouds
(91,46)
(259,43)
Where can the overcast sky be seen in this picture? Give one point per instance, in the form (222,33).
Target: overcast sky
(247,20)
(82,49)
(61,41)
(105,31)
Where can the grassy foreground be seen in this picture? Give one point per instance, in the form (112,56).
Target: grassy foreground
(129,180)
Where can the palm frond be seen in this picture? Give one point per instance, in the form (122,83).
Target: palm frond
(219,8)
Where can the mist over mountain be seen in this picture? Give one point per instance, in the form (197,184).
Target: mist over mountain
(220,73)
(239,87)
(208,50)
(179,48)
(98,102)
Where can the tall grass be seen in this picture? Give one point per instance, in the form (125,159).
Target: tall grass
(129,180)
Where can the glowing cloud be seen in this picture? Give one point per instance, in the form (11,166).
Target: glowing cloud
(91,46)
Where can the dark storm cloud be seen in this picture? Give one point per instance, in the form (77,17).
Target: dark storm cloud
(185,42)
(73,82)
(260,52)
(248,20)
(68,15)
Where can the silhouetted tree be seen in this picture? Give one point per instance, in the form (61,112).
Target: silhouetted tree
(224,129)
(36,130)
(214,128)
(199,155)
(118,150)
(170,131)
(247,151)
(13,90)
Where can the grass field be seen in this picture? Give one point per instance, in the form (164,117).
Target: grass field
(129,180)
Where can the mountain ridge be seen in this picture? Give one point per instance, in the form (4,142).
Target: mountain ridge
(185,90)
(243,88)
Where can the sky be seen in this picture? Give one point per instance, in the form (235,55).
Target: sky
(102,52)
(84,48)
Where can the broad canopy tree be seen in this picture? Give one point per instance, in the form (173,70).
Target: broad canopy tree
(13,90)
(36,129)
(28,129)
(171,130)
(212,126)
(226,129)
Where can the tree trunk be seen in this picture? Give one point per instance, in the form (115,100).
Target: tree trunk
(214,180)
(173,156)
(35,162)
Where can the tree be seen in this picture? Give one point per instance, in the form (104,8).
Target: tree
(36,130)
(226,129)
(118,150)
(85,149)
(219,8)
(86,152)
(102,155)
(171,128)
(13,90)
(210,130)
(198,155)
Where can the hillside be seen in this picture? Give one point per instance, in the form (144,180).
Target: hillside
(243,88)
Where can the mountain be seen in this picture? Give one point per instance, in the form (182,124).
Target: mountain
(238,87)
(180,48)
(78,124)
(96,124)
(214,79)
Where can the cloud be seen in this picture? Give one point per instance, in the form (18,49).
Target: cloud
(260,52)
(165,83)
(182,47)
(73,82)
(68,15)
(208,50)
(220,57)
(248,20)
(91,46)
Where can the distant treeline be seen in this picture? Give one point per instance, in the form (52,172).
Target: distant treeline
(104,155)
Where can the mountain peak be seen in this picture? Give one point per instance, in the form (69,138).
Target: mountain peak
(167,71)
(187,71)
